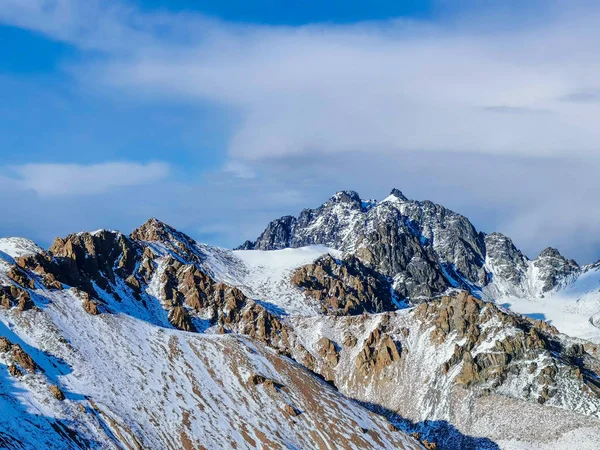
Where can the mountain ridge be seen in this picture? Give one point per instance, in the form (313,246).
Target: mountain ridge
(434,364)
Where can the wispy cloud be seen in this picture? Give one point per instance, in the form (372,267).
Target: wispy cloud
(583,96)
(377,87)
(49,180)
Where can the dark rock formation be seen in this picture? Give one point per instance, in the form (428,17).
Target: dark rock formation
(425,247)
(345,287)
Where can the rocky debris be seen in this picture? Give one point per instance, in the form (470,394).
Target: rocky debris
(22,358)
(5,344)
(20,277)
(349,340)
(56,392)
(91,307)
(291,411)
(268,383)
(429,445)
(554,269)
(180,318)
(18,354)
(14,371)
(379,351)
(345,287)
(15,296)
(328,350)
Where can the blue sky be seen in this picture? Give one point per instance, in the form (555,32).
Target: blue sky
(220,116)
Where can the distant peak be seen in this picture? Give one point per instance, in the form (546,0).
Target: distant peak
(152,230)
(398,194)
(550,252)
(346,197)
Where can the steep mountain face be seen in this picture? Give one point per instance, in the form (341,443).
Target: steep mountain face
(426,248)
(465,362)
(345,287)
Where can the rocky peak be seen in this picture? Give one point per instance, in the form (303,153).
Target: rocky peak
(426,246)
(397,193)
(505,260)
(350,198)
(172,240)
(553,269)
(81,259)
(153,230)
(276,236)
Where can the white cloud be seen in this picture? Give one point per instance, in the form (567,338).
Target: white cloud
(372,87)
(76,179)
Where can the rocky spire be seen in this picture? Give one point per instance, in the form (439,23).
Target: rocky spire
(398,194)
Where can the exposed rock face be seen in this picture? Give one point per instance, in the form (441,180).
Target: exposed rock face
(553,268)
(85,259)
(14,371)
(345,287)
(13,296)
(20,277)
(425,247)
(18,355)
(505,260)
(511,354)
(56,392)
(379,351)
(174,241)
(328,350)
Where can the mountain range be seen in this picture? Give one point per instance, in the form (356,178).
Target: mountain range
(358,324)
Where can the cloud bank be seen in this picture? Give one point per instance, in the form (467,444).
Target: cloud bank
(50,180)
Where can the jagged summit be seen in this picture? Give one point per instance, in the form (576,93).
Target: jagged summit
(425,247)
(398,194)
(349,197)
(153,230)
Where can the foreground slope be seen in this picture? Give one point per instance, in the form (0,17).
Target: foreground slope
(111,380)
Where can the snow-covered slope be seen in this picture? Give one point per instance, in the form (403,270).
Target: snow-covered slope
(129,383)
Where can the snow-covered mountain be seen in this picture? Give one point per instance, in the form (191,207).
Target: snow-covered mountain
(357,325)
(429,250)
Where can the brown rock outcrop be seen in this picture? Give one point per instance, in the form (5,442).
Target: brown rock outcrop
(20,277)
(346,287)
(473,322)
(379,351)
(23,359)
(15,296)
(181,319)
(56,392)
(14,371)
(328,350)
